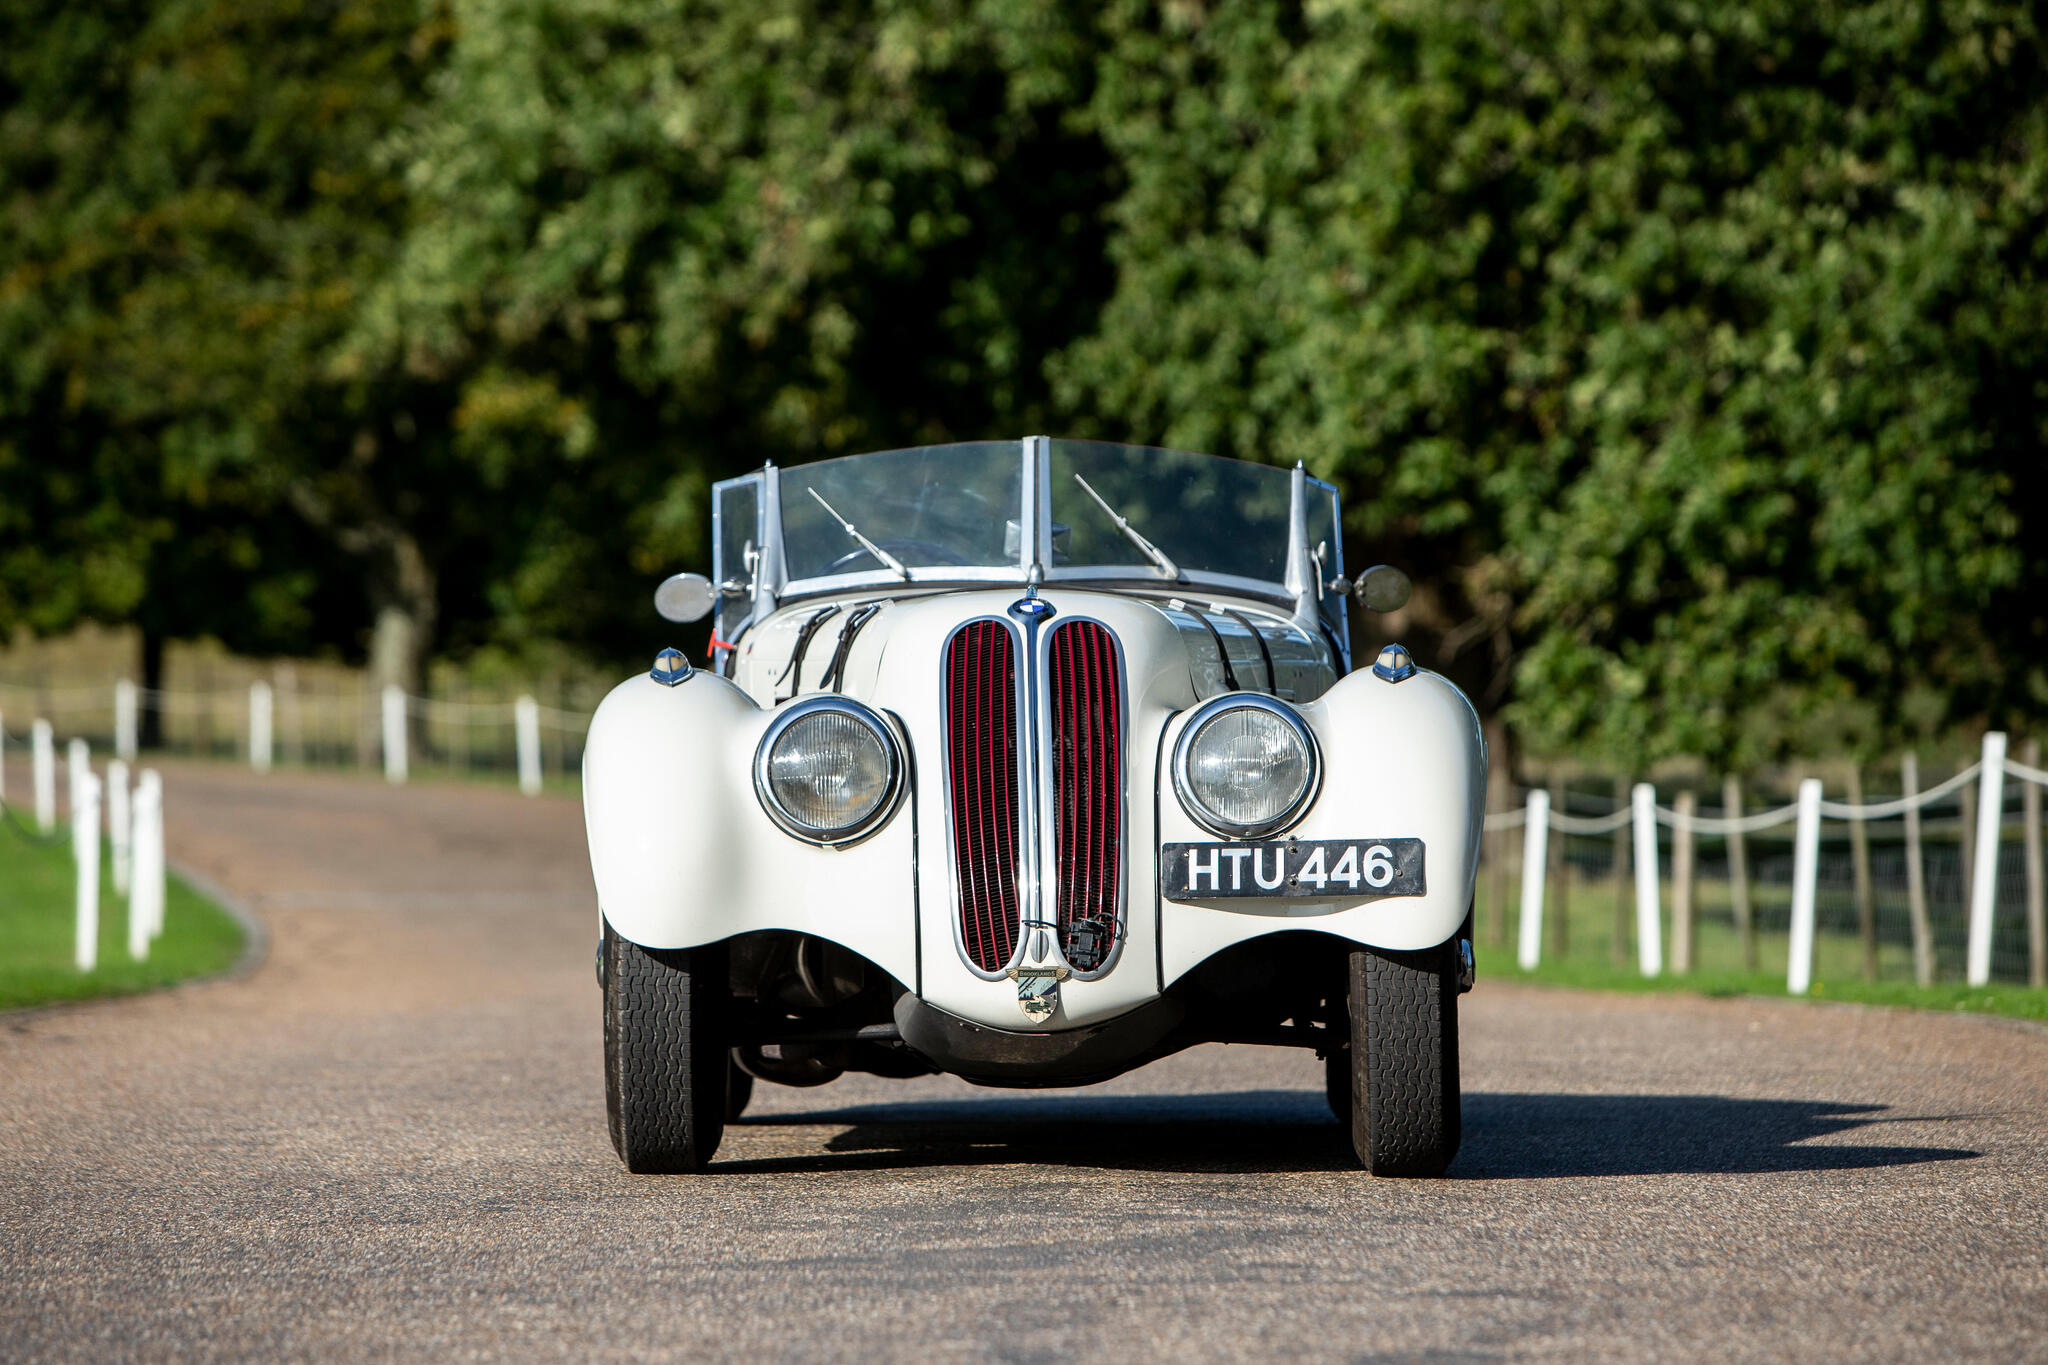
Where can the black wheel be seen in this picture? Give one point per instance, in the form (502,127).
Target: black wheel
(739,1088)
(1337,1083)
(665,1058)
(1404,1059)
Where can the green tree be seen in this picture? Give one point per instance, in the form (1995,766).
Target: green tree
(1690,353)
(655,244)
(195,202)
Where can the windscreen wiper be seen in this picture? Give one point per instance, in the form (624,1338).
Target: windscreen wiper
(1145,547)
(894,564)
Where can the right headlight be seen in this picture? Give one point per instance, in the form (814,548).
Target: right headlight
(1246,766)
(828,770)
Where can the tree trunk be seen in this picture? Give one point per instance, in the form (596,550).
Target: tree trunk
(401,583)
(402,590)
(149,715)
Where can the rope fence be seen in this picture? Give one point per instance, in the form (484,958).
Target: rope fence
(518,738)
(1912,880)
(1929,884)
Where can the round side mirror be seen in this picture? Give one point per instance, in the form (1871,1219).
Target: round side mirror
(1382,588)
(684,597)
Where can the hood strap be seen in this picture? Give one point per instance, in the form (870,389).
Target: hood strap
(835,672)
(1229,673)
(1272,678)
(794,671)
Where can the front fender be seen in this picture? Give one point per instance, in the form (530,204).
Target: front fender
(1400,759)
(683,854)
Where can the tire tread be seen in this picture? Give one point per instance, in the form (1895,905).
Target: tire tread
(665,1054)
(1405,1110)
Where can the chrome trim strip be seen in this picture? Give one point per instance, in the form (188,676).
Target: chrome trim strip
(1341,629)
(1035,524)
(933,575)
(1158,901)
(1031,744)
(720,561)
(1301,571)
(1256,701)
(946,794)
(1048,817)
(1193,583)
(773,574)
(891,742)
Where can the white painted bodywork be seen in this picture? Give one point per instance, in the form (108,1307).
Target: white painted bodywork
(684,855)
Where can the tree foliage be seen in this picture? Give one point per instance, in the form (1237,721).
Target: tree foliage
(658,243)
(193,208)
(1690,355)
(1693,352)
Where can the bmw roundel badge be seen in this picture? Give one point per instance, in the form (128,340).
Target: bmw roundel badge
(1031,607)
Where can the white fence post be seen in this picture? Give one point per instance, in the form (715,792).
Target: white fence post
(1535,863)
(526,733)
(120,823)
(77,767)
(259,726)
(394,734)
(146,887)
(44,746)
(1984,885)
(1649,914)
(124,720)
(85,853)
(1805,882)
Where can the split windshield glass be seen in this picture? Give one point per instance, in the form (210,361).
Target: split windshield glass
(962,506)
(1209,515)
(932,506)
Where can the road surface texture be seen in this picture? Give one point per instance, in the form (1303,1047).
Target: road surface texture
(388,1142)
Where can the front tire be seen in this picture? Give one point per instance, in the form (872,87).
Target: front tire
(665,1053)
(1405,1112)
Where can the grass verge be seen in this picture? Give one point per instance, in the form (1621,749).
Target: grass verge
(1583,956)
(36,930)
(2017,1002)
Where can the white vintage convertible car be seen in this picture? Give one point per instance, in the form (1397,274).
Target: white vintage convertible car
(1032,762)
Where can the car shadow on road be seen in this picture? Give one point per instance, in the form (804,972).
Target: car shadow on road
(1507,1136)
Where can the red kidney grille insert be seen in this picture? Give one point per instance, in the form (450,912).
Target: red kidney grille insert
(1087,776)
(981,757)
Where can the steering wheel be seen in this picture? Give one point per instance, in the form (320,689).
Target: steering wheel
(927,551)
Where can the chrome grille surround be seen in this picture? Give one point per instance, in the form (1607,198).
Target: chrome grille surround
(1057,850)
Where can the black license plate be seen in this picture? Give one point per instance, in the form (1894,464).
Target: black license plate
(1316,869)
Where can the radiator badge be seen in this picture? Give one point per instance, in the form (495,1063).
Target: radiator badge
(1038,991)
(1031,607)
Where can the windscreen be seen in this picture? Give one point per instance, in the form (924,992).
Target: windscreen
(932,506)
(1326,546)
(735,545)
(1208,514)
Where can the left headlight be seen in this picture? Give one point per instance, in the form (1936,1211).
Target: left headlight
(1246,766)
(828,770)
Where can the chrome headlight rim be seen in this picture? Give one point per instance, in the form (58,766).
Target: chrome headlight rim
(892,796)
(1208,819)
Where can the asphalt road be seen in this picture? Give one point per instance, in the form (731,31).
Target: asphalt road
(388,1142)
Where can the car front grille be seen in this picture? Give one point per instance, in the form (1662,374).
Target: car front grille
(1086,693)
(981,759)
(1084,707)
